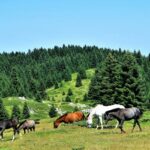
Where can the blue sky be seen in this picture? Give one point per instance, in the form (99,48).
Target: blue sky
(28,24)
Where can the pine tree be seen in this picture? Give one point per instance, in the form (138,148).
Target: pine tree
(4,85)
(26,111)
(56,85)
(16,112)
(138,57)
(70,93)
(104,86)
(67,75)
(63,93)
(3,112)
(78,81)
(132,84)
(52,112)
(68,99)
(82,73)
(15,82)
(85,98)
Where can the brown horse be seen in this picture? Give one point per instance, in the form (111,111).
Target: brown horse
(69,118)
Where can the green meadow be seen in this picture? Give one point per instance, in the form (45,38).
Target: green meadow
(72,136)
(75,137)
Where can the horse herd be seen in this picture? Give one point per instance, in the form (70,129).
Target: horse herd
(116,111)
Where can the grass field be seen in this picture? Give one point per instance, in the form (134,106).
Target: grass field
(74,137)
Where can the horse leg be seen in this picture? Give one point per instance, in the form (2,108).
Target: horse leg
(139,125)
(117,124)
(134,124)
(1,133)
(101,121)
(121,126)
(14,134)
(106,122)
(2,136)
(34,128)
(24,131)
(97,126)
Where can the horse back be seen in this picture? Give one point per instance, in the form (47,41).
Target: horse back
(6,124)
(30,123)
(132,112)
(76,116)
(27,124)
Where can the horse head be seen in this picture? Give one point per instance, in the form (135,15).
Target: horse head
(15,121)
(56,124)
(89,122)
(108,116)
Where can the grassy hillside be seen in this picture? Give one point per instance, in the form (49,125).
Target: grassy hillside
(37,110)
(78,92)
(56,97)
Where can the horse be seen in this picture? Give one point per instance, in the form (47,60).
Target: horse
(69,118)
(99,111)
(27,125)
(126,114)
(7,124)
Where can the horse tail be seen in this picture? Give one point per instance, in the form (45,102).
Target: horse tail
(37,122)
(141,111)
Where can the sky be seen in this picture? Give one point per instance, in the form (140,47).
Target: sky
(28,24)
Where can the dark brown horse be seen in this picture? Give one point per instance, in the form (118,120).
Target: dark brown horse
(27,125)
(7,124)
(69,118)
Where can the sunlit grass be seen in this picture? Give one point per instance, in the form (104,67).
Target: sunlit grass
(72,136)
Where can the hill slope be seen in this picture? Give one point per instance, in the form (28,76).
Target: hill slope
(56,97)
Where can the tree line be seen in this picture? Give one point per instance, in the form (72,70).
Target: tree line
(30,74)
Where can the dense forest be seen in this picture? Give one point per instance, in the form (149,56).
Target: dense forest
(30,74)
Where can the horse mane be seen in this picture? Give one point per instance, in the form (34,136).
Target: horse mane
(22,123)
(113,110)
(87,116)
(62,116)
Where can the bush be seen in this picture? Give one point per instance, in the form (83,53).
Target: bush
(52,112)
(70,92)
(68,99)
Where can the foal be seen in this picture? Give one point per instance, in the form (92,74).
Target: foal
(27,125)
(126,114)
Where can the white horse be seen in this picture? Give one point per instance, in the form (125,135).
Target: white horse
(99,111)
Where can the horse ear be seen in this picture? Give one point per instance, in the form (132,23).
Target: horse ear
(87,116)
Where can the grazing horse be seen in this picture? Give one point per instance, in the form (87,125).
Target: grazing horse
(69,118)
(99,111)
(7,124)
(126,114)
(27,125)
